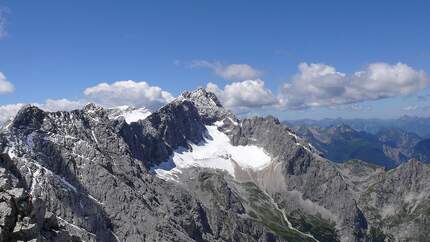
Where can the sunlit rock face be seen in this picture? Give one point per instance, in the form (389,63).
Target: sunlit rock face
(192,171)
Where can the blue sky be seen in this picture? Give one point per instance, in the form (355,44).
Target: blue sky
(57,49)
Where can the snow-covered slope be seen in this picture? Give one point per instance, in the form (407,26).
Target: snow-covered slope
(130,114)
(215,151)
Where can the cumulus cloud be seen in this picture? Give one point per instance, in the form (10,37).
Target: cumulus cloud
(245,94)
(5,85)
(229,72)
(8,111)
(137,94)
(319,85)
(60,105)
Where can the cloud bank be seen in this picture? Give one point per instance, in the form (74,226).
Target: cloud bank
(137,94)
(131,93)
(245,94)
(318,85)
(52,105)
(314,85)
(8,111)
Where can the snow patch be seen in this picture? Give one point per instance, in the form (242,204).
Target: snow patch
(309,149)
(75,226)
(130,114)
(35,180)
(219,123)
(215,152)
(293,134)
(38,175)
(94,136)
(67,183)
(136,115)
(94,199)
(234,122)
(11,151)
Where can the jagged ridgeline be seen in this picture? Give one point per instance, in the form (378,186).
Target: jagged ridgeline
(193,171)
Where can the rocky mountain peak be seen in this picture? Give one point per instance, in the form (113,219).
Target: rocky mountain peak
(208,105)
(28,116)
(412,166)
(92,108)
(202,96)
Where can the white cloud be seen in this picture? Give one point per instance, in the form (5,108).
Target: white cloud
(5,85)
(60,105)
(8,111)
(230,72)
(245,94)
(319,85)
(137,94)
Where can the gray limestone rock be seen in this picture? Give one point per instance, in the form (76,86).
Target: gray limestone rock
(83,176)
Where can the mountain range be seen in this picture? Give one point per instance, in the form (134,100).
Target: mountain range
(412,124)
(193,171)
(389,147)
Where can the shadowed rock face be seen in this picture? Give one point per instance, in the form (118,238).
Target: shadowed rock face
(81,176)
(153,140)
(422,150)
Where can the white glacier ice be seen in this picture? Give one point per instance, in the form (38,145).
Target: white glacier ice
(216,152)
(130,114)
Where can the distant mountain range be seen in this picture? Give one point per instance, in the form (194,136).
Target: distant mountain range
(387,147)
(417,125)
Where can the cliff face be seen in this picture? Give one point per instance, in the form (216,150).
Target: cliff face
(398,201)
(85,176)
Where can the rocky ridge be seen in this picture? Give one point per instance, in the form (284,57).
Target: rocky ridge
(84,176)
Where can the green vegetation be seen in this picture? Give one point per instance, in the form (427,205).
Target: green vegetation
(322,229)
(361,162)
(376,235)
(261,207)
